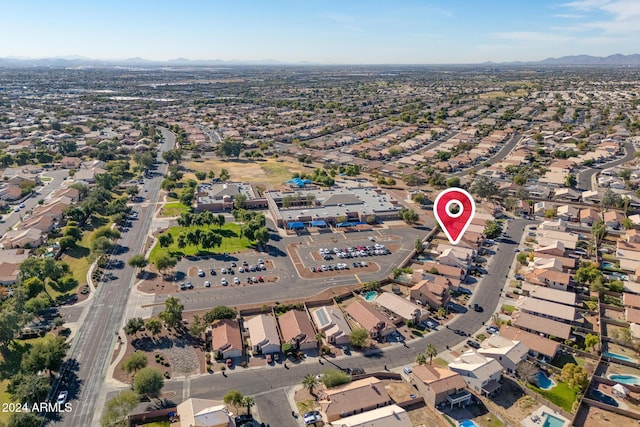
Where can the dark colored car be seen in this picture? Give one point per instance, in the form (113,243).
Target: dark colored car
(473,344)
(477,308)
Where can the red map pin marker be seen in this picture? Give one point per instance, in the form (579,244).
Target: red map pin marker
(455,223)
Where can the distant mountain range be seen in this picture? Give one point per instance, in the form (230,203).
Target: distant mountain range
(76,61)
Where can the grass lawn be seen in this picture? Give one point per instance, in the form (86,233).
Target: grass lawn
(158,424)
(488,420)
(268,171)
(174,209)
(231,242)
(508,309)
(562,395)
(4,398)
(78,257)
(440,362)
(305,406)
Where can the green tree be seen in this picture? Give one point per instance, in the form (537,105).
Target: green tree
(421,359)
(148,382)
(165,240)
(454,181)
(154,325)
(67,242)
(32,286)
(574,376)
(201,175)
(117,409)
(262,236)
(198,326)
(591,341)
(233,398)
(419,247)
(220,312)
(138,261)
(431,352)
(135,362)
(224,175)
(164,262)
(133,326)
(101,246)
(570,181)
(172,313)
(28,387)
(248,402)
(10,323)
(25,419)
(492,229)
(627,223)
(359,337)
(310,382)
(483,187)
(48,353)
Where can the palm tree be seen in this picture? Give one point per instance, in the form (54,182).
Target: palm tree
(310,382)
(319,337)
(431,352)
(248,401)
(421,359)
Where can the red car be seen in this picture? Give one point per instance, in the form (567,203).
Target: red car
(229,362)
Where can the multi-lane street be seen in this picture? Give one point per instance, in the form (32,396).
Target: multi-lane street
(93,345)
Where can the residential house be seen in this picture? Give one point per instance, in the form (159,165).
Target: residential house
(588,216)
(432,291)
(23,238)
(10,260)
(297,330)
(568,239)
(542,325)
(204,413)
(353,398)
(226,338)
(387,416)
(537,345)
(401,307)
(568,213)
(263,334)
(508,353)
(550,310)
(554,247)
(613,219)
(628,254)
(331,322)
(482,374)
(70,162)
(569,194)
(455,256)
(10,193)
(370,319)
(440,385)
(564,264)
(444,270)
(549,294)
(549,277)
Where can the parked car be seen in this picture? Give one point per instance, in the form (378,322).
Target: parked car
(477,308)
(207,284)
(213,272)
(229,362)
(236,281)
(223,270)
(200,272)
(407,370)
(224,282)
(62,397)
(312,417)
(492,330)
(473,344)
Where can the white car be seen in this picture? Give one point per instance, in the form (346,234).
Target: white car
(62,397)
(207,284)
(224,282)
(312,417)
(236,281)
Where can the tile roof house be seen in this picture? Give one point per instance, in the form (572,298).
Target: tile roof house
(588,216)
(330,320)
(444,270)
(25,238)
(482,374)
(204,413)
(431,291)
(508,353)
(297,330)
(537,345)
(387,416)
(370,319)
(549,277)
(439,385)
(263,334)
(356,397)
(542,325)
(550,310)
(402,307)
(226,338)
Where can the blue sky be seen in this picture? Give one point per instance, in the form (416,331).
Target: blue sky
(332,32)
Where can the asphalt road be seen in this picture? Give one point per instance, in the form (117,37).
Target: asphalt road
(264,381)
(57,177)
(584,178)
(93,345)
(502,153)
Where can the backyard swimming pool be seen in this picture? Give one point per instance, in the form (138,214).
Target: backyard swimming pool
(625,379)
(370,296)
(468,423)
(618,356)
(544,382)
(604,398)
(551,421)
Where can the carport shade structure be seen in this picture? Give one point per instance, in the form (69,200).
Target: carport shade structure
(319,224)
(295,226)
(345,224)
